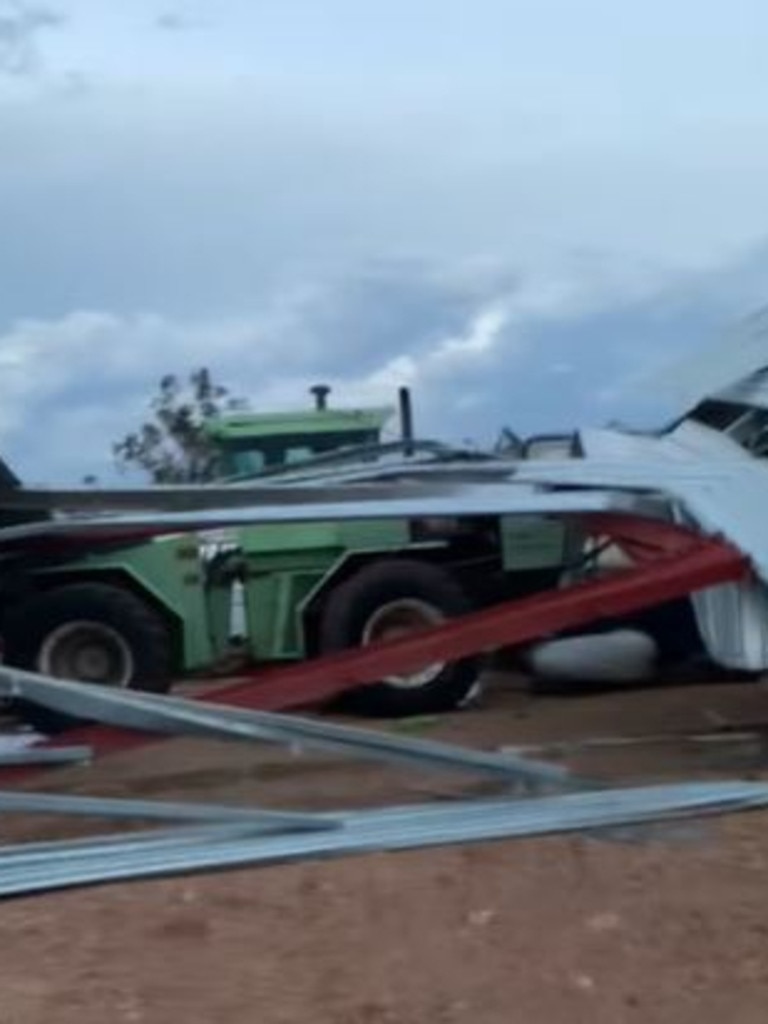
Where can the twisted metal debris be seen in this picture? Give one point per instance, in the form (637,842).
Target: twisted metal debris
(218,837)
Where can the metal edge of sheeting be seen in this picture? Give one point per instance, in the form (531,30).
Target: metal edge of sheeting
(100,844)
(167,714)
(397,829)
(39,755)
(407,470)
(197,498)
(606,473)
(172,499)
(468,501)
(154,810)
(253,491)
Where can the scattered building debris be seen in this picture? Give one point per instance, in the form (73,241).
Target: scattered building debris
(215,837)
(69,864)
(685,508)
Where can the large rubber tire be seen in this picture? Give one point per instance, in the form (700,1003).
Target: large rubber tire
(140,628)
(353,604)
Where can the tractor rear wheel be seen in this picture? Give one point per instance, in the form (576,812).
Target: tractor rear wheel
(389,599)
(92,633)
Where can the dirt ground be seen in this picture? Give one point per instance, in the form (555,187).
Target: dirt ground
(553,931)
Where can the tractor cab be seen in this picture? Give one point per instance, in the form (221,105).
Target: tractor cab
(251,444)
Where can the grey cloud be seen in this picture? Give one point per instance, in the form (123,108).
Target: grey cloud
(121,222)
(20,27)
(482,348)
(281,245)
(74,84)
(606,333)
(175,21)
(207,204)
(387,307)
(170,21)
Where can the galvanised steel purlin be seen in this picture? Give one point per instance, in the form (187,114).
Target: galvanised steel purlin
(154,810)
(99,845)
(35,755)
(146,712)
(392,829)
(306,505)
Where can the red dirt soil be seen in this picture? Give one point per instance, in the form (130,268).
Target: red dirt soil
(554,931)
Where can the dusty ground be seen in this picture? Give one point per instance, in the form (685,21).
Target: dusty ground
(555,931)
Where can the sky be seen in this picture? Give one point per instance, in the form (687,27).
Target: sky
(517,207)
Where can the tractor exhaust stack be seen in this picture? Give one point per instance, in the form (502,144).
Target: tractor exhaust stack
(320,392)
(406,420)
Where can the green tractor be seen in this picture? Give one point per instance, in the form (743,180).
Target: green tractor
(146,615)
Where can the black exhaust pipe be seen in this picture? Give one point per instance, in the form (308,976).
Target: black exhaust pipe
(406,420)
(321,392)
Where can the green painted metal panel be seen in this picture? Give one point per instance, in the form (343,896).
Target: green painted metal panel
(262,610)
(284,564)
(282,541)
(169,570)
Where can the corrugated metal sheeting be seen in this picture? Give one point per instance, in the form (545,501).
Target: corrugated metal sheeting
(80,863)
(723,495)
(213,837)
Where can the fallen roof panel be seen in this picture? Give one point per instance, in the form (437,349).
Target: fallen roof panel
(391,829)
(341,504)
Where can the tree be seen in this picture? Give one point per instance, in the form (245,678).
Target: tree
(171,446)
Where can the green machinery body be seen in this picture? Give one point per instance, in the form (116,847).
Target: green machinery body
(278,575)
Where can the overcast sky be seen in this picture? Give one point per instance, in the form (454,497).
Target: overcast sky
(516,206)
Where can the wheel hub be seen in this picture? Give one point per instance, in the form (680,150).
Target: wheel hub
(400,618)
(89,652)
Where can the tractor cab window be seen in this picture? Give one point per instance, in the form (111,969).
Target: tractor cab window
(251,456)
(245,463)
(300,454)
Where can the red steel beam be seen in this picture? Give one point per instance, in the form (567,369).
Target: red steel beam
(505,625)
